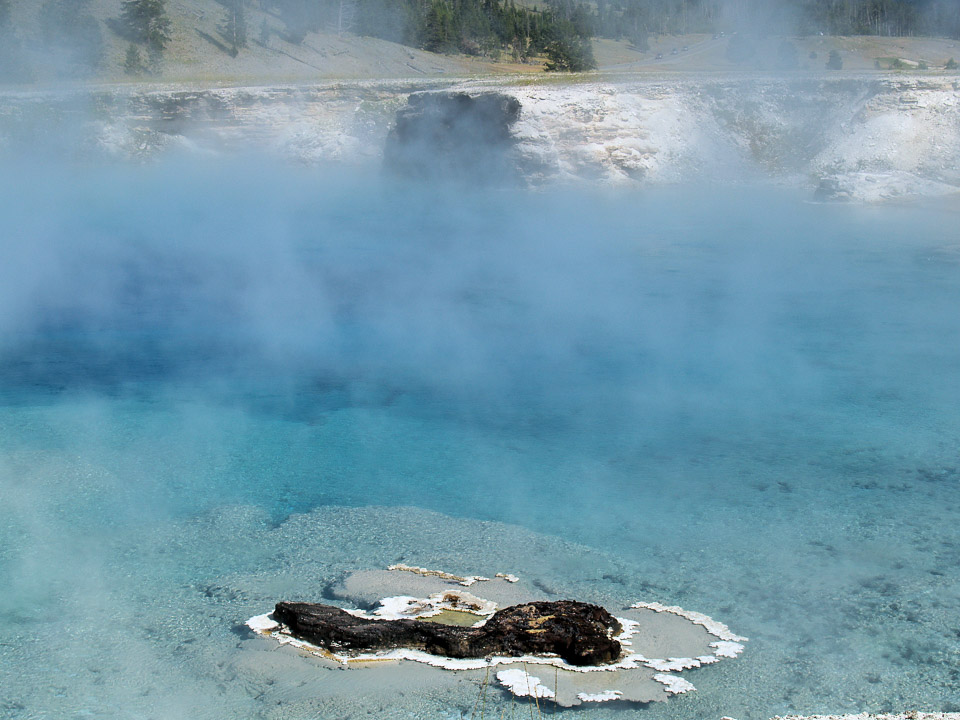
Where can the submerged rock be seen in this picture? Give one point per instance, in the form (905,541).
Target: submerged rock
(453,135)
(580,633)
(830,189)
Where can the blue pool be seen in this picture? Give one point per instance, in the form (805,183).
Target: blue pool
(222,385)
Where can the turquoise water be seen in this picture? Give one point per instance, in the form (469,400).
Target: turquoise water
(223,385)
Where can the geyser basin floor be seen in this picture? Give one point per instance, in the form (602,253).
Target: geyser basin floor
(221,387)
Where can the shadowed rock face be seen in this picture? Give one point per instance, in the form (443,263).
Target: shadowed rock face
(578,632)
(453,135)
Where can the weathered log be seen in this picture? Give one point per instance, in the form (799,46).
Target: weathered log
(580,633)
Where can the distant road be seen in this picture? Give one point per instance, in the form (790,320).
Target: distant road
(669,59)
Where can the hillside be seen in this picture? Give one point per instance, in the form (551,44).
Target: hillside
(198,54)
(705,53)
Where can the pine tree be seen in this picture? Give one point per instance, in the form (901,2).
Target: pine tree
(234,25)
(346,12)
(639,37)
(439,28)
(133,62)
(569,53)
(146,22)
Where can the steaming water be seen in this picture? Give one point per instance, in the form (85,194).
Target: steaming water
(225,385)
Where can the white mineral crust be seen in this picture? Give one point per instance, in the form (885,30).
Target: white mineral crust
(600,696)
(523,684)
(675,685)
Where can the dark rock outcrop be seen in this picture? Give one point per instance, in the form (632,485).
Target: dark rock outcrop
(578,632)
(453,135)
(829,189)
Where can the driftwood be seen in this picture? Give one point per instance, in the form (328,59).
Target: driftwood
(580,633)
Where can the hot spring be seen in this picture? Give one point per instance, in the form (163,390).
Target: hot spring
(225,384)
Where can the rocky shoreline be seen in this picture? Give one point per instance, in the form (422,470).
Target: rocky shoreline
(860,138)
